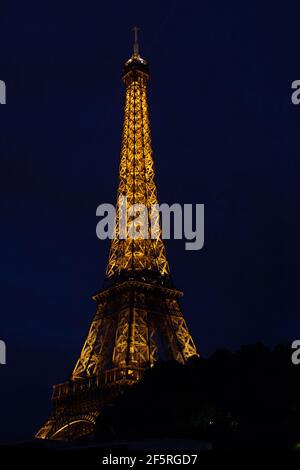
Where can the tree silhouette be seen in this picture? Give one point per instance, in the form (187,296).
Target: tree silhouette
(245,399)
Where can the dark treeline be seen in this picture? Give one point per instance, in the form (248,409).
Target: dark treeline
(246,399)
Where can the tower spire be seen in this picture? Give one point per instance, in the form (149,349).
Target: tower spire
(136,44)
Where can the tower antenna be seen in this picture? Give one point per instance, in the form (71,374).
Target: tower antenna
(136,44)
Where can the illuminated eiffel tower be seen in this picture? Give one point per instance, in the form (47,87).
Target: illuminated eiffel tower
(138,318)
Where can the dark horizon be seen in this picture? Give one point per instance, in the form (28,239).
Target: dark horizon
(224,133)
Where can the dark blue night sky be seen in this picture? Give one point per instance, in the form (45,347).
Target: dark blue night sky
(225,134)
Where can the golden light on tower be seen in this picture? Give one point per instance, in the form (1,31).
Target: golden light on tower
(138,318)
(136,177)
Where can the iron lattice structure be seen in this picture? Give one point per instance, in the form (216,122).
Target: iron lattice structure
(136,183)
(138,318)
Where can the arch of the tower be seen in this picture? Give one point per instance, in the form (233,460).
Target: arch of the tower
(75,429)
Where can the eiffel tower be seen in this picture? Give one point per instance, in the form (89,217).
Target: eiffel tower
(138,318)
